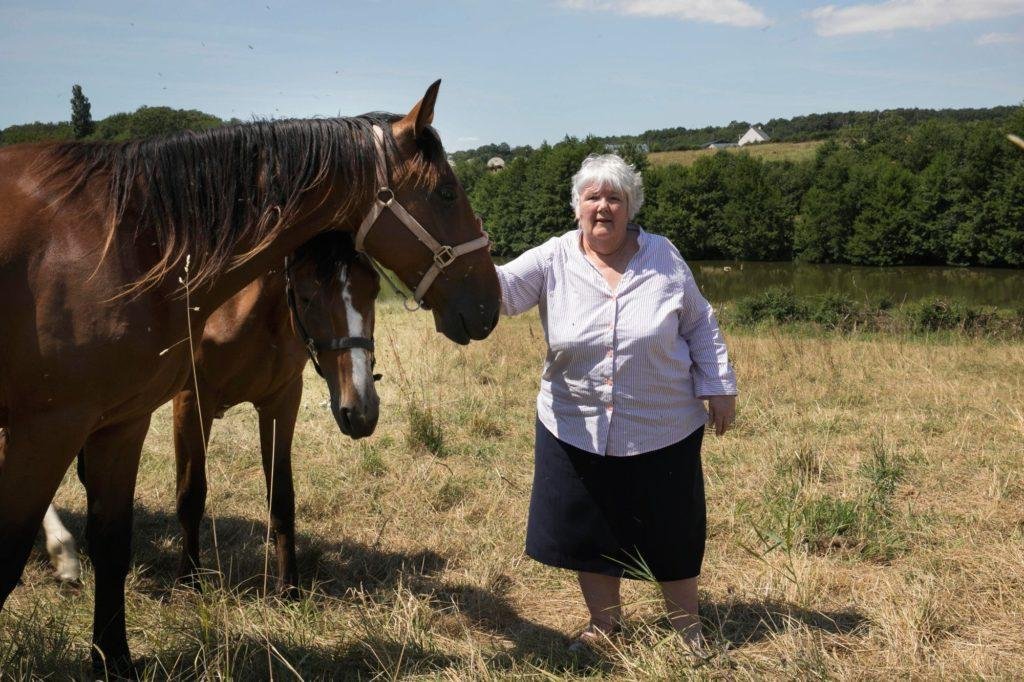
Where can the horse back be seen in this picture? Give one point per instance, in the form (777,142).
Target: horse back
(249,349)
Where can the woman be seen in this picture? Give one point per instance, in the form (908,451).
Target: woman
(633,351)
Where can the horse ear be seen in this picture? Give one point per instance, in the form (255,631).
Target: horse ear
(422,115)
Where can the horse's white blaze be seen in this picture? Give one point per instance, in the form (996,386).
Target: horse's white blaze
(362,378)
(60,545)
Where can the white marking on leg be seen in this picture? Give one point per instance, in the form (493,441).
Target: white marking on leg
(60,545)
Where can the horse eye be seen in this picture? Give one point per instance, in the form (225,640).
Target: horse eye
(447,193)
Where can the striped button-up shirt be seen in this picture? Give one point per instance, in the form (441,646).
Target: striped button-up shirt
(625,369)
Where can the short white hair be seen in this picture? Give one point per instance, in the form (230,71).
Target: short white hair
(609,170)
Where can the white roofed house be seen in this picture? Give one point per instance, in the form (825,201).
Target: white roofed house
(754,135)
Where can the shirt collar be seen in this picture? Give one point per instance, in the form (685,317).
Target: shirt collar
(641,239)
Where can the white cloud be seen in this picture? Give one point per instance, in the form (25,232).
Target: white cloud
(729,12)
(999,39)
(896,14)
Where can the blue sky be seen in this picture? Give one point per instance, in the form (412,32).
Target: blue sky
(517,71)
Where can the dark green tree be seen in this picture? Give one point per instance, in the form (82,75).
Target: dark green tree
(81,113)
(829,208)
(150,121)
(884,232)
(114,127)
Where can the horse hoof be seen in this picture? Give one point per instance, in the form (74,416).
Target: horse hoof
(68,581)
(287,592)
(190,581)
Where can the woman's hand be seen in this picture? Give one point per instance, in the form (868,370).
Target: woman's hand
(721,412)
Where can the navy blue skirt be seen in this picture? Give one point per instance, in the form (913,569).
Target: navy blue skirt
(640,517)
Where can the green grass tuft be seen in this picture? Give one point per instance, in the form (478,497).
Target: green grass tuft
(424,430)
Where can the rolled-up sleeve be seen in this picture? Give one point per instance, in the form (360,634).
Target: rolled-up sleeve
(711,371)
(522,280)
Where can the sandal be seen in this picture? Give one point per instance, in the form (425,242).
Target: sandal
(594,637)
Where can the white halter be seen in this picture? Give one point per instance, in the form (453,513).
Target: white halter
(444,255)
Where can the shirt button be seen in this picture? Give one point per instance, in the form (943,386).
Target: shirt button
(609,354)
(608,381)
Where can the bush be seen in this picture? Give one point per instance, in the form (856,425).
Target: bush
(839,312)
(937,315)
(776,304)
(835,311)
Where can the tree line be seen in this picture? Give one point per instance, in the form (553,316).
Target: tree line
(797,129)
(143,122)
(906,186)
(889,193)
(815,126)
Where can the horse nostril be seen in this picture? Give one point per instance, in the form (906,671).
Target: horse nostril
(345,419)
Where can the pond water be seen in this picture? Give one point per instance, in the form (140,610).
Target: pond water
(723,281)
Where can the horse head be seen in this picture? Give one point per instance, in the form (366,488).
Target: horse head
(423,228)
(332,290)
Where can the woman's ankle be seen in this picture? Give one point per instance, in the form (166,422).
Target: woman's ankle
(689,629)
(605,623)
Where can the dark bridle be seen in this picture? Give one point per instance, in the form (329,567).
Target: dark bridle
(313,346)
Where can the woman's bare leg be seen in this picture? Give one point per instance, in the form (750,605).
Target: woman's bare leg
(601,593)
(681,604)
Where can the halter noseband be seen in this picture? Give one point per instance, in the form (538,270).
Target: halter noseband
(444,255)
(312,346)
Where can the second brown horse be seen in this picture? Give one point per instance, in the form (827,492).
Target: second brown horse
(254,350)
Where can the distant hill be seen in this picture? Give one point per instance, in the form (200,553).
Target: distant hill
(797,129)
(766,151)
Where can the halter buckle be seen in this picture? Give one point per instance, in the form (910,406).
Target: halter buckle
(386,196)
(444,256)
(311,349)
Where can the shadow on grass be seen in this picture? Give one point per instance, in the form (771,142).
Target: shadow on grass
(336,569)
(339,570)
(740,623)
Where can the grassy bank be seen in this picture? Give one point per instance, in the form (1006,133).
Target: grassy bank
(768,151)
(864,521)
(836,312)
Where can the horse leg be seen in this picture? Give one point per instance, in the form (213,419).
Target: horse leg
(60,545)
(277,425)
(111,466)
(191,436)
(35,451)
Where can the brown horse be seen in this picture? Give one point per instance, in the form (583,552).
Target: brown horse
(319,306)
(254,350)
(114,254)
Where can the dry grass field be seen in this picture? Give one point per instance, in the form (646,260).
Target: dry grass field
(769,151)
(866,520)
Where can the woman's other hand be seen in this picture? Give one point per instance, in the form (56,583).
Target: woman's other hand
(721,412)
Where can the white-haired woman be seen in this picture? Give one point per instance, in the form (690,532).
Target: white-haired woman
(634,350)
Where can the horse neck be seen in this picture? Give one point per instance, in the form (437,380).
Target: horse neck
(272,252)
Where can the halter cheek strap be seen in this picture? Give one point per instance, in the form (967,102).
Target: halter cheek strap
(443,254)
(313,346)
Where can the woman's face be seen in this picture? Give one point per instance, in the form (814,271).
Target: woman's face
(603,214)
